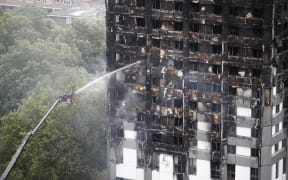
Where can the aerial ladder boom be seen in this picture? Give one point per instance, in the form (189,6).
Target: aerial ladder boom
(66,99)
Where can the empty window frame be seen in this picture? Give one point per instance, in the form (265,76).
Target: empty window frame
(217,9)
(141,41)
(178,26)
(233,51)
(156,4)
(178,45)
(254,174)
(192,166)
(194,27)
(178,103)
(217,88)
(156,24)
(216,108)
(120,132)
(217,49)
(233,30)
(284,165)
(216,127)
(254,132)
(178,6)
(254,152)
(178,122)
(230,171)
(233,71)
(216,146)
(258,12)
(235,11)
(178,65)
(277,170)
(208,87)
(140,22)
(232,90)
(178,140)
(231,149)
(195,7)
(276,147)
(217,29)
(140,158)
(193,105)
(119,2)
(156,43)
(215,170)
(193,66)
(258,32)
(156,137)
(284,143)
(231,109)
(178,83)
(192,85)
(194,47)
(256,73)
(216,69)
(257,53)
(140,3)
(277,128)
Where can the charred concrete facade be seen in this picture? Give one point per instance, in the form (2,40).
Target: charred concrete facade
(209,100)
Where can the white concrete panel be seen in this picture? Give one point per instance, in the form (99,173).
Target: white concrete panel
(242,172)
(244,111)
(130,157)
(281,106)
(280,125)
(273,172)
(272,149)
(130,134)
(273,130)
(139,174)
(194,177)
(155,175)
(274,91)
(273,110)
(243,151)
(280,145)
(166,163)
(166,166)
(243,131)
(203,170)
(203,126)
(129,172)
(125,171)
(280,168)
(166,176)
(204,145)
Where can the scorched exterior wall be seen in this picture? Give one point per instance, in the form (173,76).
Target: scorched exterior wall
(209,99)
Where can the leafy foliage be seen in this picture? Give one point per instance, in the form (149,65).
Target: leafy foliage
(38,62)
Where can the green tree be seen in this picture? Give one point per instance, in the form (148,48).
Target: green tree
(69,145)
(26,22)
(38,62)
(89,37)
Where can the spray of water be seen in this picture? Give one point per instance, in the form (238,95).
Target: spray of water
(104,76)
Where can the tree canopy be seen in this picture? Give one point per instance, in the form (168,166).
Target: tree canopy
(38,62)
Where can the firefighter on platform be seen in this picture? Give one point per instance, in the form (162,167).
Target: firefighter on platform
(67,98)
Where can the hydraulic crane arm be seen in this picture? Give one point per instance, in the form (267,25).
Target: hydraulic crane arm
(25,141)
